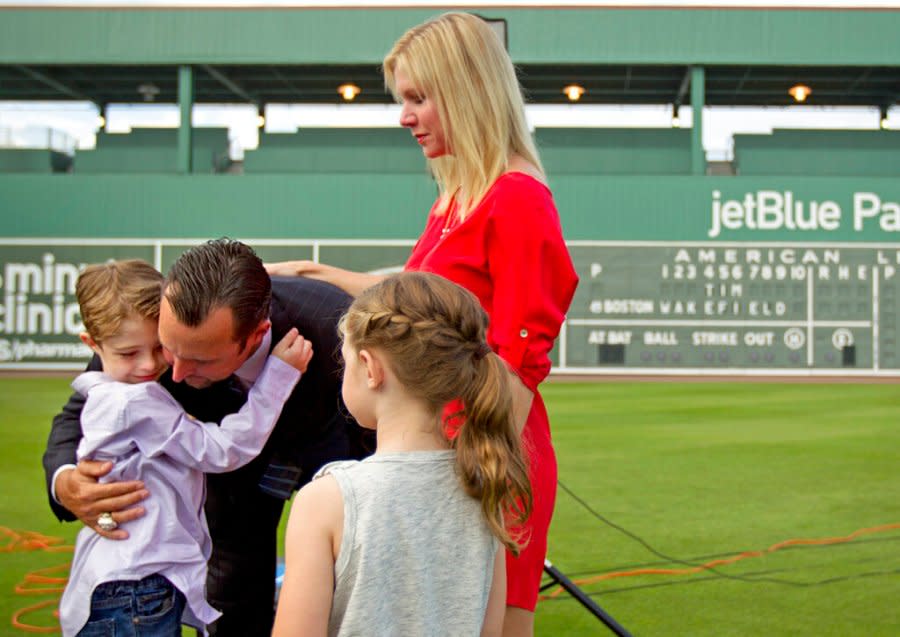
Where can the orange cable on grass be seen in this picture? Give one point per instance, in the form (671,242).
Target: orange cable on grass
(39,577)
(31,628)
(20,541)
(729,560)
(43,581)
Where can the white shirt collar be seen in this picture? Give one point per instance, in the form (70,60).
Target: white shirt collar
(253,366)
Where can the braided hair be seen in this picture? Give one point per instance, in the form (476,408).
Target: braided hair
(432,333)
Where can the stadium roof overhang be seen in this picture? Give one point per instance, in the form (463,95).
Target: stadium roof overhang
(730,85)
(301,55)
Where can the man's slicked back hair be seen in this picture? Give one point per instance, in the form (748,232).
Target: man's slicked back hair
(215,274)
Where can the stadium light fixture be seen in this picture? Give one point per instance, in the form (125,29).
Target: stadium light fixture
(348,91)
(799,92)
(676,121)
(148,91)
(573,92)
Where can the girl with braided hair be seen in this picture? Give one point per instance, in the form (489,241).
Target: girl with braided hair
(411,540)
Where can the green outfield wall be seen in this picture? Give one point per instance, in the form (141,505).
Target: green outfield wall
(679,275)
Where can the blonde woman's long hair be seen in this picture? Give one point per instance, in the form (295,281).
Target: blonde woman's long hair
(432,334)
(458,61)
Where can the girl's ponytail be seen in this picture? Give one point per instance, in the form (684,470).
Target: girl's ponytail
(489,449)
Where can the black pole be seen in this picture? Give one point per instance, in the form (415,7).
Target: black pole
(584,599)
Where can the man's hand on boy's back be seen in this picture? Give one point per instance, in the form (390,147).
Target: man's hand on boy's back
(78,490)
(294,350)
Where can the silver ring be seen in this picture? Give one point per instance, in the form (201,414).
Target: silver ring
(106,522)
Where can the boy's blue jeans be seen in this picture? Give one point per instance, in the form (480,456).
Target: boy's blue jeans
(150,607)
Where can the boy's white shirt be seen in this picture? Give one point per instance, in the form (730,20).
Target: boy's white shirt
(247,373)
(141,425)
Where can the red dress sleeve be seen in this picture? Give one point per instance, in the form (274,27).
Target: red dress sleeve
(533,279)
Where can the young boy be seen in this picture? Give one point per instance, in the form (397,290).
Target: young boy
(155,580)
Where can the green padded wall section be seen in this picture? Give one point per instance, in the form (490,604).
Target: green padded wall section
(156,205)
(380,206)
(872,153)
(615,151)
(336,150)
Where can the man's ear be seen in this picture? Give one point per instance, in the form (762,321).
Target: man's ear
(374,369)
(257,335)
(87,340)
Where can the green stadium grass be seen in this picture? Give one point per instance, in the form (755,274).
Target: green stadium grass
(708,470)
(699,471)
(28,405)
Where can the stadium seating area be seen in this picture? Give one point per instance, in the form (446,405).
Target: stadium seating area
(153,150)
(615,151)
(819,153)
(564,151)
(33,160)
(335,150)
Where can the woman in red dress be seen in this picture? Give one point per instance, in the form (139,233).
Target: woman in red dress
(494,229)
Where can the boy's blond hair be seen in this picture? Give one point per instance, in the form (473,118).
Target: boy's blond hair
(111,292)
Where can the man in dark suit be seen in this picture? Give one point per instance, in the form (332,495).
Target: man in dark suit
(220,314)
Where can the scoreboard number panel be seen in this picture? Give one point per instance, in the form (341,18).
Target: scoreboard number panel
(732,307)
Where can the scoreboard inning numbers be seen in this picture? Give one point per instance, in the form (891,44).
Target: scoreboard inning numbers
(733,307)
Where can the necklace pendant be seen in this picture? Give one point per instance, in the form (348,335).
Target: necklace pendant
(448,224)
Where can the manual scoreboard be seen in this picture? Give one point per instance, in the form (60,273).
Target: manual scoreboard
(735,307)
(642,307)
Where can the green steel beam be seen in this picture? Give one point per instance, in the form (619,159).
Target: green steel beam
(230,84)
(52,83)
(186,105)
(698,100)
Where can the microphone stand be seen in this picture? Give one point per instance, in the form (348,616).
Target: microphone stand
(558,578)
